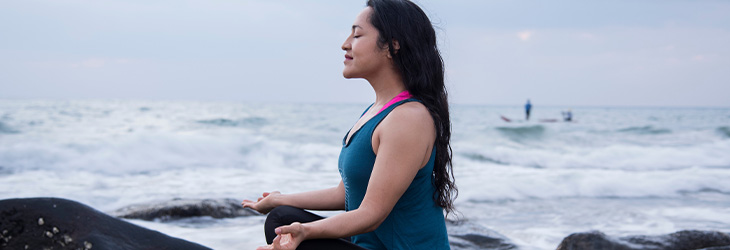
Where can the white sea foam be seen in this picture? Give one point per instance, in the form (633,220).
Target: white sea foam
(515,183)
(626,157)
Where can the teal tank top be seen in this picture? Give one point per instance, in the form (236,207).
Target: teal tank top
(416,221)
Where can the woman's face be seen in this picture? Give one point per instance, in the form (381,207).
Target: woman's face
(363,57)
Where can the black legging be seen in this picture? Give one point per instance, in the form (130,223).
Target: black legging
(285,215)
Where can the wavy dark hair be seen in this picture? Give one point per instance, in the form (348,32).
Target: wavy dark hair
(419,62)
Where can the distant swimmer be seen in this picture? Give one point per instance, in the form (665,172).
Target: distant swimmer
(528,107)
(568,115)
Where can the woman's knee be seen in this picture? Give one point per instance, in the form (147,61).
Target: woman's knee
(279,216)
(281,211)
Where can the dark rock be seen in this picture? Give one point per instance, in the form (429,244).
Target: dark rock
(185,208)
(688,239)
(717,248)
(466,235)
(52,223)
(590,240)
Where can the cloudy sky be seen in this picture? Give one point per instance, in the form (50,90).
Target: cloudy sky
(497,52)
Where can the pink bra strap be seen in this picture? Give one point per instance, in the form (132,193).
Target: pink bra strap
(400,97)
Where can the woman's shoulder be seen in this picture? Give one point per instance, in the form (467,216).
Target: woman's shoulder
(410,118)
(410,112)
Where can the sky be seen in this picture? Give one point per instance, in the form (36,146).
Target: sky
(497,52)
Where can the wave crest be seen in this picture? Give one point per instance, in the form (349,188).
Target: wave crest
(724,131)
(522,132)
(245,122)
(5,129)
(645,130)
(482,158)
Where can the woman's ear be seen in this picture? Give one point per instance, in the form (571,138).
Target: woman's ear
(396,47)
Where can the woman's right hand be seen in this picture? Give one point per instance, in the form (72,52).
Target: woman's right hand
(264,204)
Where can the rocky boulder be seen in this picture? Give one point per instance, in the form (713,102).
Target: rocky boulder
(466,235)
(185,208)
(52,223)
(688,239)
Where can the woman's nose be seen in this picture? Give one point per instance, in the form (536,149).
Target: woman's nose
(346,45)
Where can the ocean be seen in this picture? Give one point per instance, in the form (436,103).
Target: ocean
(620,170)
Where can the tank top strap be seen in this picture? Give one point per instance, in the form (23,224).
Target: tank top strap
(366,110)
(369,127)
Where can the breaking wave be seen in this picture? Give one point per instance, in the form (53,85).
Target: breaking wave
(5,129)
(523,132)
(482,158)
(724,131)
(245,122)
(645,130)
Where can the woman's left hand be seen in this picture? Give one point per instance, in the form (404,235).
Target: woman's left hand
(288,237)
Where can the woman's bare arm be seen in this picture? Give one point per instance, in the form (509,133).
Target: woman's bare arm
(324,199)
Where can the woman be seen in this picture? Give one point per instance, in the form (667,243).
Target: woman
(395,162)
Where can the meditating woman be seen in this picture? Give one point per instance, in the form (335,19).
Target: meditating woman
(397,180)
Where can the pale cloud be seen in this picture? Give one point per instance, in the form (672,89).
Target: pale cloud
(89,63)
(96,62)
(524,35)
(92,62)
(673,61)
(698,58)
(586,36)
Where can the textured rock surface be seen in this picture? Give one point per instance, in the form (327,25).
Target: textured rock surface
(466,235)
(184,208)
(52,223)
(688,239)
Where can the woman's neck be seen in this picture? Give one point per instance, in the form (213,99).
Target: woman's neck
(386,88)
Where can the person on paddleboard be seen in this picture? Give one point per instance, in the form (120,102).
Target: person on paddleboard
(568,115)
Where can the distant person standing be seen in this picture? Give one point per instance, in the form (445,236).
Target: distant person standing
(568,115)
(528,107)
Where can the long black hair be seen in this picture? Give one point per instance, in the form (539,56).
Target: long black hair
(422,69)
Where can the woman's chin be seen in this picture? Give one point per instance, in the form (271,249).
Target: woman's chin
(348,75)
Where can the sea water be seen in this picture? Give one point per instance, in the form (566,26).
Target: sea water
(623,171)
